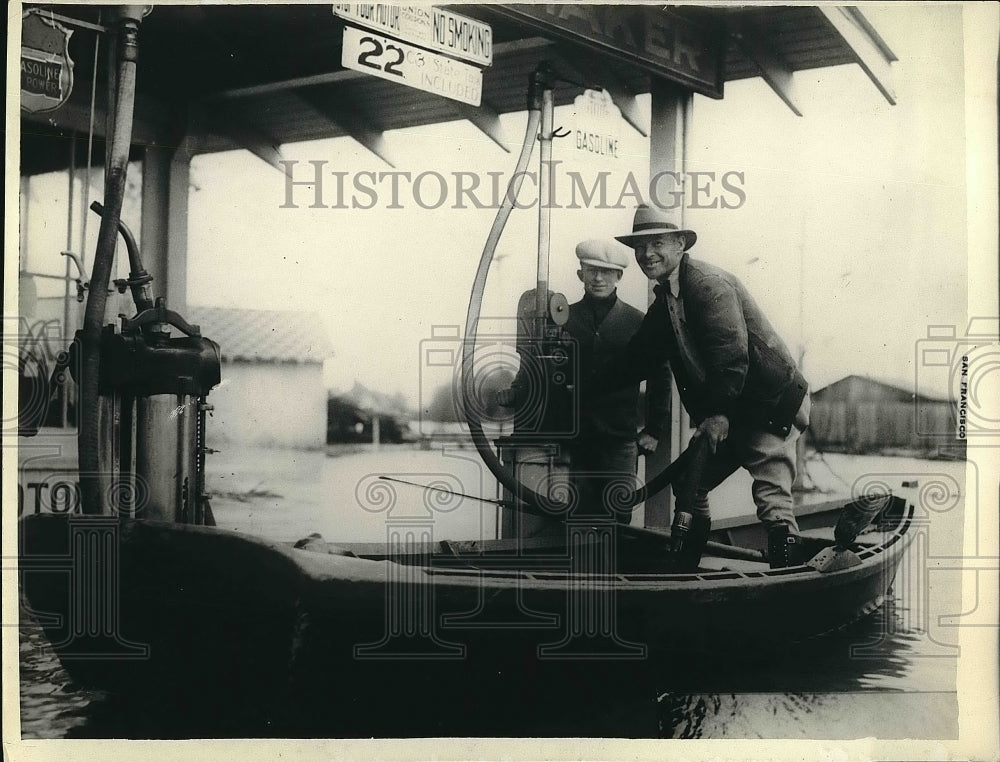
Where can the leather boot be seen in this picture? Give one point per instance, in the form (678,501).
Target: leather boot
(784,547)
(689,555)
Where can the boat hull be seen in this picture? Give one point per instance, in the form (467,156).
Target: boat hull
(187,609)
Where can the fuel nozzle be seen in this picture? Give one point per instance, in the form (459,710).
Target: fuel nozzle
(679,530)
(138,279)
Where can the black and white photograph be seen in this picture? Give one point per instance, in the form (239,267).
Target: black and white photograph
(501,381)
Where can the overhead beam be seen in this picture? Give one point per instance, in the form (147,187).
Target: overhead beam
(608,80)
(485,118)
(237,125)
(350,75)
(345,115)
(870,51)
(152,125)
(772,69)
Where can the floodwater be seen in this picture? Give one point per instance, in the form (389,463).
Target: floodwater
(891,675)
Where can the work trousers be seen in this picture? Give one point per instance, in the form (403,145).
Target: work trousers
(770,460)
(602,472)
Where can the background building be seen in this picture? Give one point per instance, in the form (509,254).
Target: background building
(272,391)
(862,415)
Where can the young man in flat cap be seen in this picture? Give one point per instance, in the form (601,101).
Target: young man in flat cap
(735,376)
(606,445)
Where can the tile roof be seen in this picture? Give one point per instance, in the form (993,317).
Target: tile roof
(264,335)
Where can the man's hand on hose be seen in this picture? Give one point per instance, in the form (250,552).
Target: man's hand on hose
(647,443)
(714,429)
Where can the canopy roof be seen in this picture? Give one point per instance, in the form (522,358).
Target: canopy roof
(260,76)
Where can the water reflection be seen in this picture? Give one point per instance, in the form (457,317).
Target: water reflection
(699,694)
(829,662)
(883,676)
(794,690)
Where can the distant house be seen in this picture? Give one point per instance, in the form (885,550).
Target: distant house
(362,414)
(861,415)
(272,392)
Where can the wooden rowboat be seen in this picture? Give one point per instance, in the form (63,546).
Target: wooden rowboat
(132,606)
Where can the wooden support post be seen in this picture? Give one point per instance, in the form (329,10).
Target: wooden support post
(175,278)
(670,116)
(163,234)
(153,232)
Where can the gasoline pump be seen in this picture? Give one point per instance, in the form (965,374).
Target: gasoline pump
(547,410)
(532,466)
(153,405)
(143,391)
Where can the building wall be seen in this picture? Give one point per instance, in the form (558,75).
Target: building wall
(270,405)
(861,415)
(865,427)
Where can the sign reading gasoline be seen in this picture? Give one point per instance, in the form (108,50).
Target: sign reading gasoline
(426,26)
(408,65)
(597,124)
(46,68)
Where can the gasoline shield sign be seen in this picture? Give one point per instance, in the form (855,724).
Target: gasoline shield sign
(46,68)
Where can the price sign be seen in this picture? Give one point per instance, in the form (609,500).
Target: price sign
(408,65)
(436,28)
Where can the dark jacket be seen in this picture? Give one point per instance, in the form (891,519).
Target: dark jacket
(724,354)
(615,412)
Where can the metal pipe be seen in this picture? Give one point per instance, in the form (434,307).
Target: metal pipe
(79,23)
(544,209)
(66,333)
(90,144)
(46,275)
(138,278)
(92,499)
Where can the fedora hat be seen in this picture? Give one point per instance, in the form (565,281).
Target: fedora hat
(649,220)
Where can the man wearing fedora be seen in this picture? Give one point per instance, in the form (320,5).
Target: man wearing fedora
(735,376)
(606,446)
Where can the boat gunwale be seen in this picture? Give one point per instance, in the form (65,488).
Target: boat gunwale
(323,567)
(872,558)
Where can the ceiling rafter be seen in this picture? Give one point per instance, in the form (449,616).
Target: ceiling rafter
(772,68)
(870,51)
(346,114)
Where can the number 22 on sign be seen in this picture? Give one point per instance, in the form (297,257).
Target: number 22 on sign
(398,62)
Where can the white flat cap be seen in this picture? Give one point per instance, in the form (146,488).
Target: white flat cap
(600,252)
